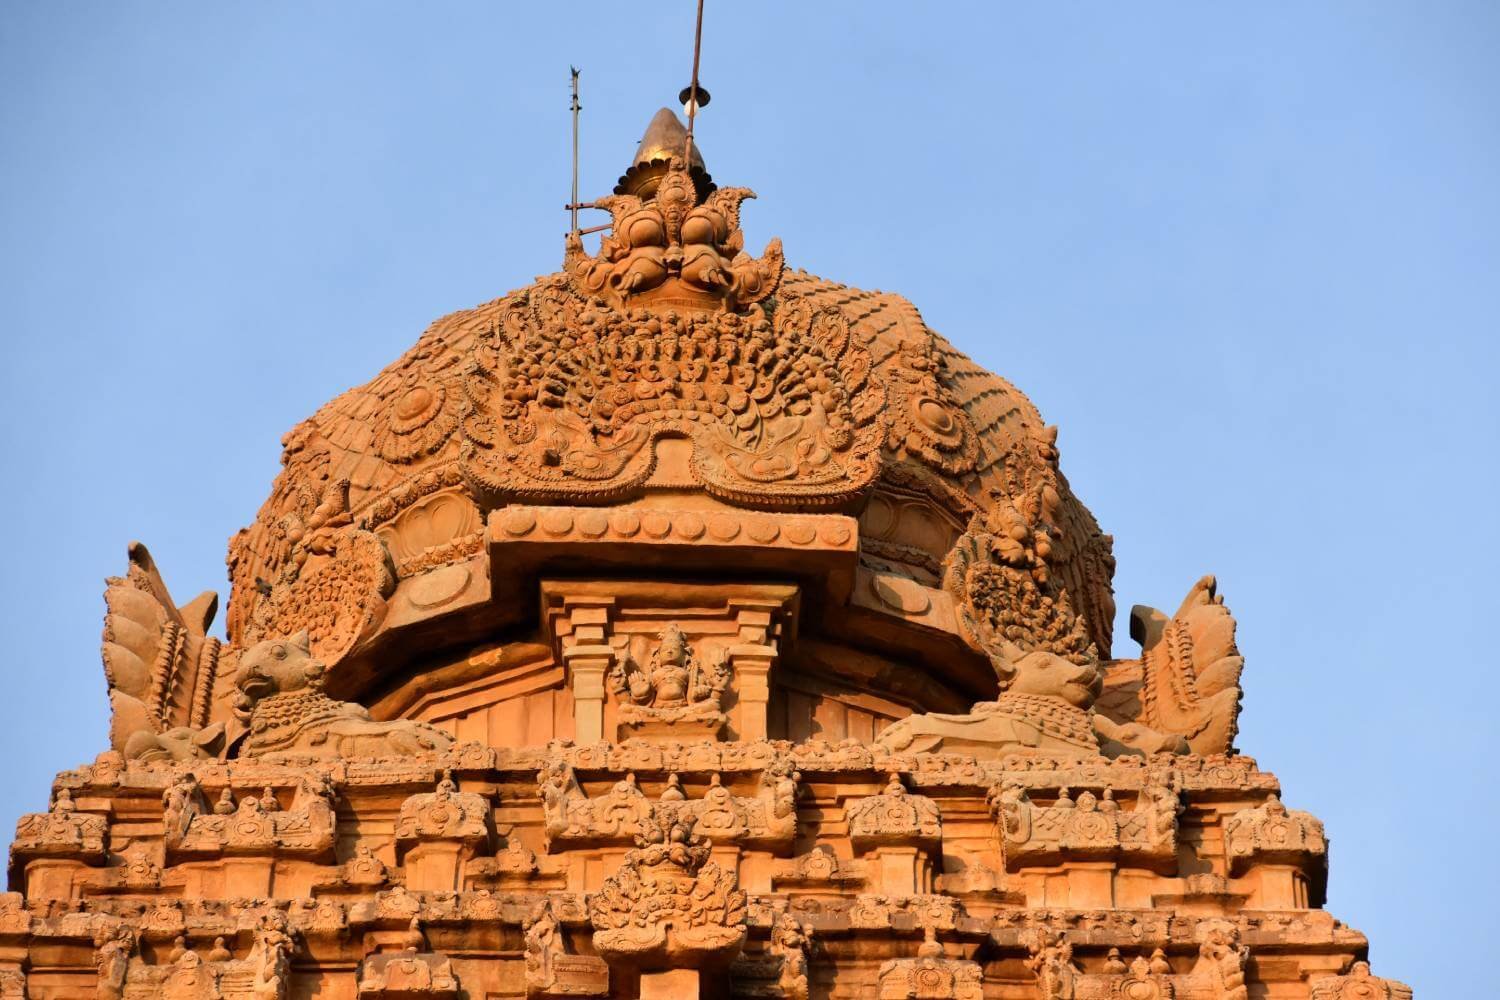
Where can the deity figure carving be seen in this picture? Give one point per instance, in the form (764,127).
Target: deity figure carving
(1052,961)
(791,942)
(271,957)
(113,946)
(676,691)
(283,704)
(552,972)
(1221,960)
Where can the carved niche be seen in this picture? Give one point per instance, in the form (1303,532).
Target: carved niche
(675,693)
(669,662)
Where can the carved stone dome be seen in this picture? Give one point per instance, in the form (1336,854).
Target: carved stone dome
(668,379)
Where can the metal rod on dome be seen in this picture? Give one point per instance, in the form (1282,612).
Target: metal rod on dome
(692,108)
(576,107)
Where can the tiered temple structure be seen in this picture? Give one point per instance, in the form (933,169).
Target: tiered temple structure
(679,625)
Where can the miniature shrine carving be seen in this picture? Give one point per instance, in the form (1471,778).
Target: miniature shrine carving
(678,625)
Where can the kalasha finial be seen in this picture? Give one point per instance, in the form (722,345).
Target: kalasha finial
(664,139)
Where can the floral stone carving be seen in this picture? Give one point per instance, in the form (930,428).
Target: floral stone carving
(895,816)
(62,831)
(1273,834)
(669,906)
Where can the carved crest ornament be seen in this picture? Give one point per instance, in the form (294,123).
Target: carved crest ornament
(677,626)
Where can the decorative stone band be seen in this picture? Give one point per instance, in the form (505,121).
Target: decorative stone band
(252,825)
(824,547)
(444,814)
(766,819)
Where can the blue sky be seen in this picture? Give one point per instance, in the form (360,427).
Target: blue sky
(1247,256)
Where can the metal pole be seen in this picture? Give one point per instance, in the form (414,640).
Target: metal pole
(693,88)
(573,204)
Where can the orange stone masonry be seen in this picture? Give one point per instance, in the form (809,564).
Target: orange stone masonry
(677,626)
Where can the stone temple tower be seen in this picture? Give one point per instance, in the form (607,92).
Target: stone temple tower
(679,625)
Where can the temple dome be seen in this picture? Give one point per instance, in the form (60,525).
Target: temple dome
(670,369)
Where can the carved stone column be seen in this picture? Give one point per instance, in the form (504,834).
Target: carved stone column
(588,657)
(751,659)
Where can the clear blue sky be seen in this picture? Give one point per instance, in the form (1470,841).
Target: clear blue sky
(1247,256)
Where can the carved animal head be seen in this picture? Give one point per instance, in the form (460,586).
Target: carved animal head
(1044,673)
(277,666)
